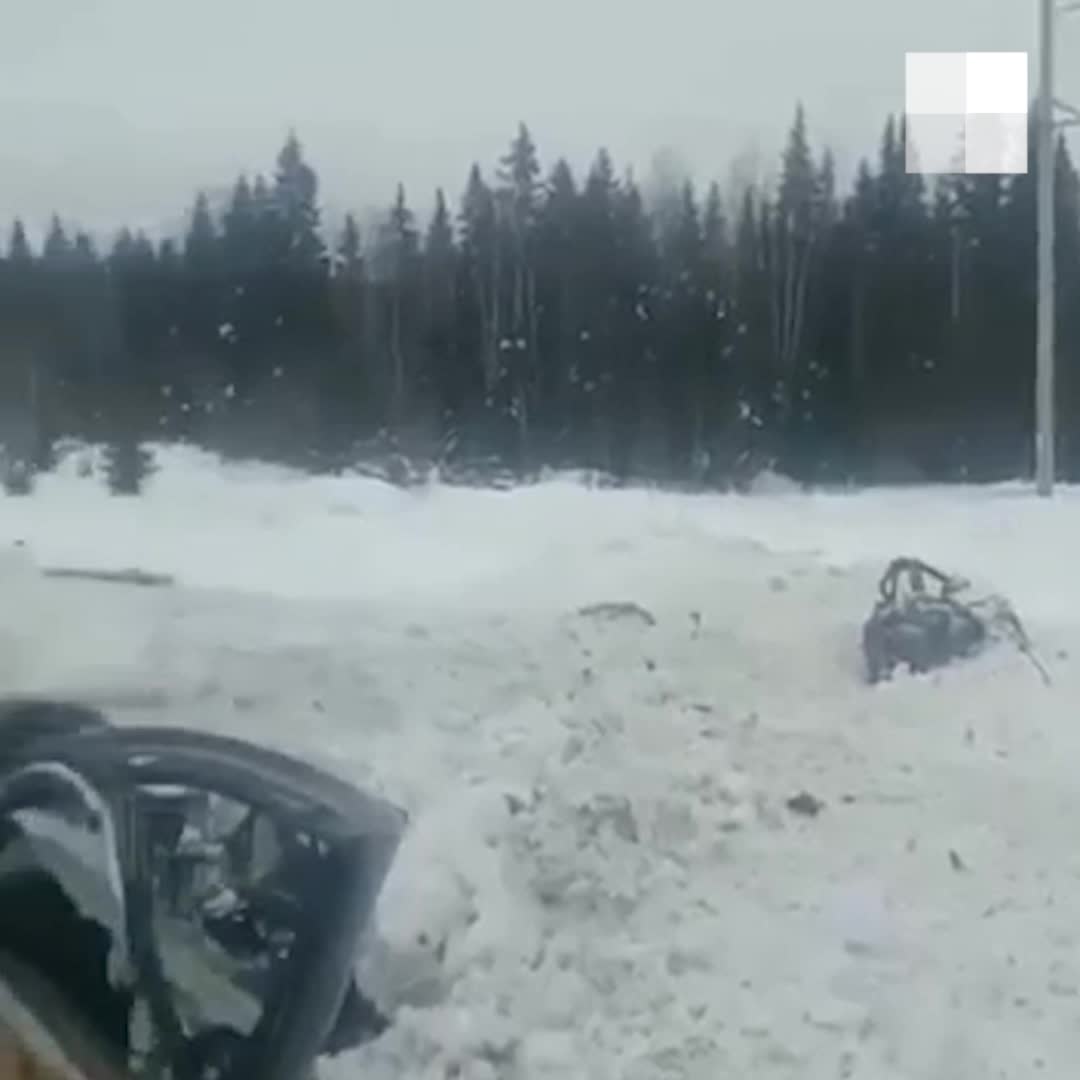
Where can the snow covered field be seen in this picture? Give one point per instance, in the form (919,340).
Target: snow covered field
(603,879)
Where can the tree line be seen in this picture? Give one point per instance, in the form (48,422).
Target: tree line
(885,333)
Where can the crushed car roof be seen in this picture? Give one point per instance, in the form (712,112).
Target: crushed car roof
(309,796)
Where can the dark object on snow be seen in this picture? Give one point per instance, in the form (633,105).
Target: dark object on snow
(921,621)
(110,577)
(621,609)
(190,903)
(918,621)
(806,804)
(127,465)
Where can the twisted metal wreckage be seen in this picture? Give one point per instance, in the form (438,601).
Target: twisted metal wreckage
(923,620)
(176,905)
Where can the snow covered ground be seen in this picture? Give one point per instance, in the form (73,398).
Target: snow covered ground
(603,879)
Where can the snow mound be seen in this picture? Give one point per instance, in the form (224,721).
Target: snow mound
(607,876)
(543,904)
(770,482)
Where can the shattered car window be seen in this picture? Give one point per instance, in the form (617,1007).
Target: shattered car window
(223,921)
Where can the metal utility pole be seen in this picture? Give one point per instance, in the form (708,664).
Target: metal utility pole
(1044,317)
(1045,127)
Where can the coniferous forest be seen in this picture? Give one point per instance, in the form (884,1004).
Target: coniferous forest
(880,334)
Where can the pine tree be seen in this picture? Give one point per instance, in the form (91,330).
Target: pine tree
(19,253)
(351,385)
(686,334)
(248,299)
(714,228)
(481,268)
(349,247)
(57,247)
(201,244)
(636,438)
(23,372)
(791,256)
(440,299)
(295,198)
(560,299)
(519,175)
(519,199)
(592,376)
(396,267)
(718,282)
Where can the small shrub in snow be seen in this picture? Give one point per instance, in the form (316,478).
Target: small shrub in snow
(18,478)
(127,465)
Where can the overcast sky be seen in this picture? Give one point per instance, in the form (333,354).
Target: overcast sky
(117,110)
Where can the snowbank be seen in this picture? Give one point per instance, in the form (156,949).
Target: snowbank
(604,878)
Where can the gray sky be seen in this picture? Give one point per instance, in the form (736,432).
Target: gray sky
(116,110)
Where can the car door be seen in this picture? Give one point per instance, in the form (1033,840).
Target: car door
(42,1037)
(63,944)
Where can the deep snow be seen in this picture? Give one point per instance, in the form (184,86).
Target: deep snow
(603,879)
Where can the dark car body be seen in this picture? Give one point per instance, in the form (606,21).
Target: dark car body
(185,952)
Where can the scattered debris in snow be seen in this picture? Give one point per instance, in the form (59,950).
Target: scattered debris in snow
(603,881)
(619,610)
